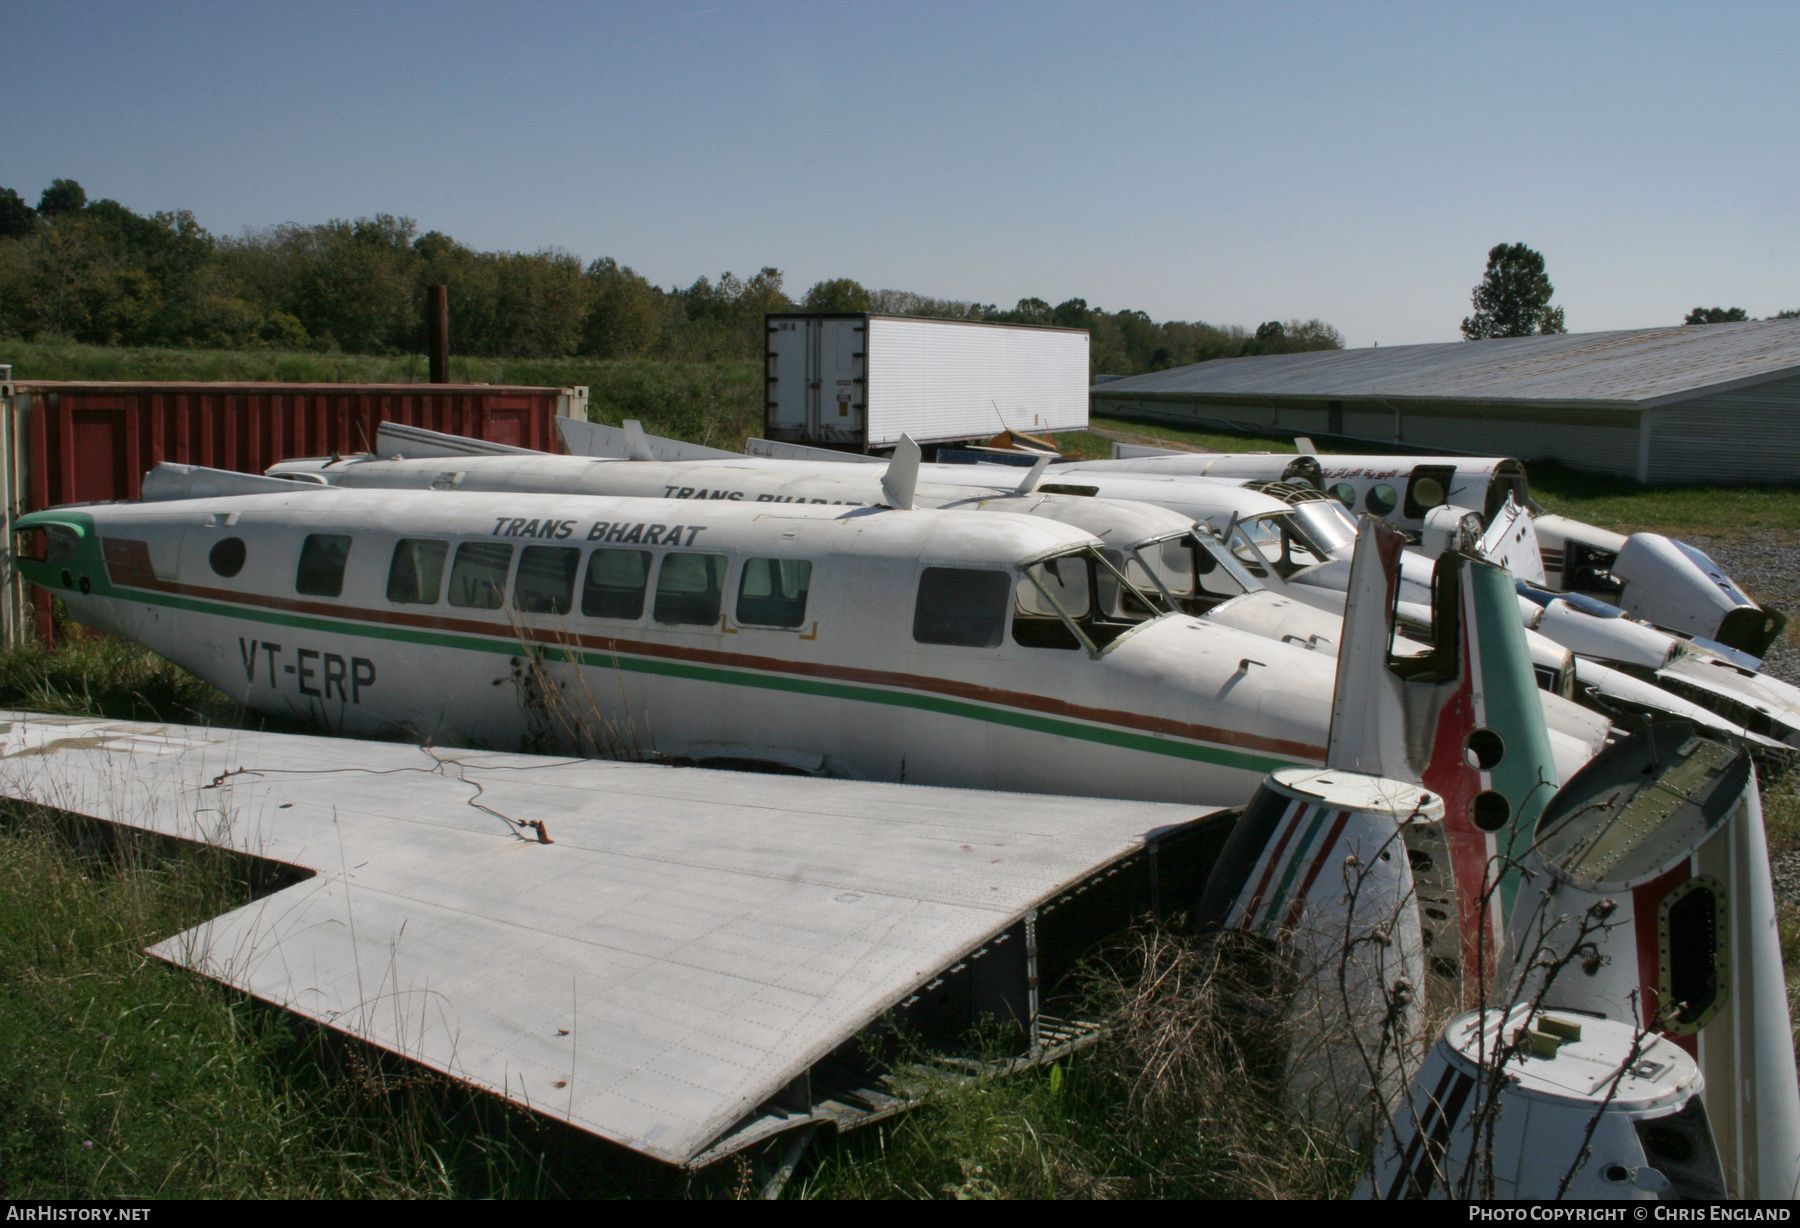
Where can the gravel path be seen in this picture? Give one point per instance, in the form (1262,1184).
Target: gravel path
(1766,564)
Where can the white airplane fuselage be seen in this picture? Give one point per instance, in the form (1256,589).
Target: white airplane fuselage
(860,682)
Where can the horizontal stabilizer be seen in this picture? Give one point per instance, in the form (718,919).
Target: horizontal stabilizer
(613,443)
(398,439)
(775,449)
(171,481)
(1130,451)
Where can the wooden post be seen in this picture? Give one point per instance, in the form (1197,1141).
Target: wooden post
(437,320)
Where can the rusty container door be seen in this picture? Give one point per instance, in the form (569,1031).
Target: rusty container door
(93,442)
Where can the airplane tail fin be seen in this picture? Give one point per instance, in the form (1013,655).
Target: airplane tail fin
(1029,482)
(901,477)
(637,447)
(1368,710)
(1511,540)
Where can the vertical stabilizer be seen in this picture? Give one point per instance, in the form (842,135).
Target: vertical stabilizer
(1368,711)
(1511,540)
(1029,482)
(1491,759)
(637,447)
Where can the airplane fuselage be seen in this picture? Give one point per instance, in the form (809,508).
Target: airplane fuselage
(868,643)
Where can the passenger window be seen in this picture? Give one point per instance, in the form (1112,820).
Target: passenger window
(961,606)
(616,580)
(546,580)
(772,592)
(322,559)
(416,575)
(478,578)
(690,589)
(1380,500)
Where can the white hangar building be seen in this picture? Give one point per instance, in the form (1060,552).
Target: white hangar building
(1694,403)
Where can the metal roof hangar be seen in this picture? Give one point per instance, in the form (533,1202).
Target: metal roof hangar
(1695,403)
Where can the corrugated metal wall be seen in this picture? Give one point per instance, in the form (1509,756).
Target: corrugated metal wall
(91,442)
(1751,435)
(1596,438)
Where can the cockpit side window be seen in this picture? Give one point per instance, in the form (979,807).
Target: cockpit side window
(1063,582)
(62,544)
(961,606)
(322,560)
(1082,599)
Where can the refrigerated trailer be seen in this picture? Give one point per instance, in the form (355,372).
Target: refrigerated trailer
(859,381)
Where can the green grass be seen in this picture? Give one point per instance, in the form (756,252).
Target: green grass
(718,403)
(1217,441)
(1624,506)
(1611,502)
(122,1077)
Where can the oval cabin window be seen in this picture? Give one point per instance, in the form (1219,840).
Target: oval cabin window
(227,556)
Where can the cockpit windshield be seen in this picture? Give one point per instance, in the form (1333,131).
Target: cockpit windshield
(1083,597)
(1167,564)
(1287,539)
(1327,524)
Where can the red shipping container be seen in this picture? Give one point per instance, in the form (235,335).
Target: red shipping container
(81,442)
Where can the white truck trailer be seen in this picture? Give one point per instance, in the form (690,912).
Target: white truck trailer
(860,381)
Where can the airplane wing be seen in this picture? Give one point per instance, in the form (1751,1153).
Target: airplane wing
(672,971)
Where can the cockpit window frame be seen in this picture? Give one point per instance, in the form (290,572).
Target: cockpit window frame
(1094,555)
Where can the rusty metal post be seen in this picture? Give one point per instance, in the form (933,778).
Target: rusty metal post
(437,320)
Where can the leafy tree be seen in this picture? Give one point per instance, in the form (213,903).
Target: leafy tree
(838,294)
(16,217)
(62,196)
(906,303)
(1787,315)
(1716,315)
(1513,297)
(624,312)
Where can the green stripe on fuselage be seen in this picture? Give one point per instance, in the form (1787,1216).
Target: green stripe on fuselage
(730,676)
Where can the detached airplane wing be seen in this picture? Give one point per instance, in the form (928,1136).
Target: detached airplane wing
(671,970)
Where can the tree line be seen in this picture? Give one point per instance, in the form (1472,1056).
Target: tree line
(1512,299)
(97,272)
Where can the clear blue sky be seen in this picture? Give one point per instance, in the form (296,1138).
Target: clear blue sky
(1230,163)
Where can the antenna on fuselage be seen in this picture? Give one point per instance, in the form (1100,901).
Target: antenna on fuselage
(901,477)
(1034,477)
